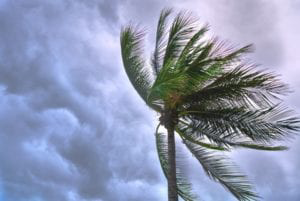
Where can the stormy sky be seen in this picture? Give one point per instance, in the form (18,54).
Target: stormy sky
(72,128)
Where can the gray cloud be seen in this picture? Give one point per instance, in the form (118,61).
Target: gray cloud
(245,22)
(71,126)
(62,138)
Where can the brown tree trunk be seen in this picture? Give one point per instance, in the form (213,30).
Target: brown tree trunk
(172,187)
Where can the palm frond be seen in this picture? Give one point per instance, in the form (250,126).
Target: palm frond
(191,48)
(194,135)
(264,125)
(180,32)
(209,61)
(218,51)
(224,56)
(205,51)
(184,188)
(220,169)
(262,147)
(242,85)
(139,76)
(170,80)
(197,65)
(191,138)
(160,43)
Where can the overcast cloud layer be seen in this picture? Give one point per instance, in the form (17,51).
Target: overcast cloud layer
(72,128)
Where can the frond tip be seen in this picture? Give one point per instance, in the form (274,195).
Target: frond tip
(131,38)
(220,169)
(160,43)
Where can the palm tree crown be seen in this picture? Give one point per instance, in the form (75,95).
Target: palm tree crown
(210,96)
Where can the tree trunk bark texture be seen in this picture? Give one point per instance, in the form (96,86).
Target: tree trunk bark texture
(172,186)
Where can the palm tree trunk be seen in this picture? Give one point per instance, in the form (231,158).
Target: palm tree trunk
(169,119)
(172,187)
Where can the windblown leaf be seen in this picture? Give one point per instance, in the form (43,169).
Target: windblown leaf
(131,48)
(242,85)
(195,135)
(160,43)
(180,32)
(191,48)
(190,138)
(265,126)
(220,169)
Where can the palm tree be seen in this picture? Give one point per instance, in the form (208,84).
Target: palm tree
(207,94)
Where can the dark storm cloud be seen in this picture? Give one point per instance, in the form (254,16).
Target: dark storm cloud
(256,22)
(62,137)
(245,22)
(275,175)
(109,11)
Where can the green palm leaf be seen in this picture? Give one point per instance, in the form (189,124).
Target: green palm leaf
(131,47)
(194,140)
(180,32)
(192,48)
(195,135)
(242,85)
(275,123)
(220,169)
(160,43)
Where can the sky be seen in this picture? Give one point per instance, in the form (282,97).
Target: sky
(72,128)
